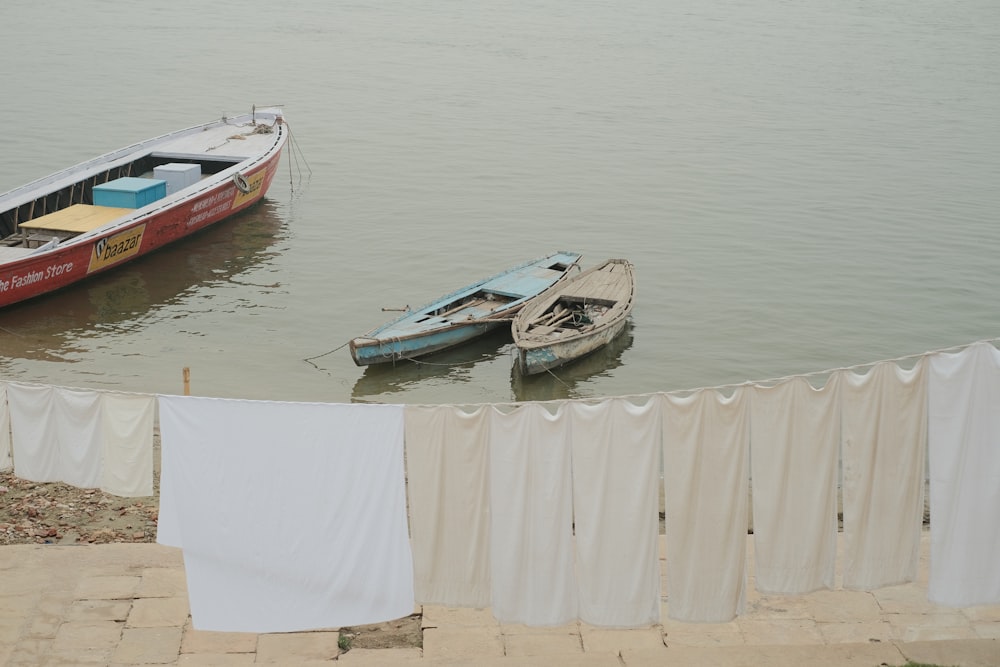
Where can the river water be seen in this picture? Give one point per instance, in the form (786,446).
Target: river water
(801,186)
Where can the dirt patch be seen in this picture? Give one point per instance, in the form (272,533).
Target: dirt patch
(402,633)
(53,513)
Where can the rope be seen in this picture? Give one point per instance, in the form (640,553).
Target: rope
(431,363)
(565,384)
(512,404)
(734,385)
(308,360)
(294,154)
(831,370)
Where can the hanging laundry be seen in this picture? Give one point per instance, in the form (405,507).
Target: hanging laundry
(168,522)
(706,487)
(85,438)
(127,423)
(616,463)
(531,528)
(292,516)
(56,434)
(964,448)
(447,464)
(884,422)
(794,446)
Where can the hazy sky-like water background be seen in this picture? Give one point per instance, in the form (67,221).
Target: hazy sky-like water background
(801,186)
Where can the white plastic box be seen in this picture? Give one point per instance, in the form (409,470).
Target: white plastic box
(178,175)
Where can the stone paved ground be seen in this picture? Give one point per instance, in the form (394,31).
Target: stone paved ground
(126,604)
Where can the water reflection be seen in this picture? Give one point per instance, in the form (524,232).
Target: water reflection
(46,328)
(469,364)
(449,366)
(569,381)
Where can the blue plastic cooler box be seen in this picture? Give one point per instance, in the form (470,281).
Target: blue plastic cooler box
(129,192)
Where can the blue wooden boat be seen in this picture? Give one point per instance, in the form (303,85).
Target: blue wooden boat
(464,314)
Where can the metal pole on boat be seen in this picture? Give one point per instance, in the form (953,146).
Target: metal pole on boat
(187,381)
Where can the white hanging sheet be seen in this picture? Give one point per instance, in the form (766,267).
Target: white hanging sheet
(127,422)
(531,538)
(56,434)
(884,438)
(85,438)
(616,461)
(81,441)
(706,487)
(447,464)
(33,432)
(292,515)
(6,462)
(964,448)
(794,446)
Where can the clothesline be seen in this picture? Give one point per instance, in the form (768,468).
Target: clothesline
(772,381)
(672,392)
(138,394)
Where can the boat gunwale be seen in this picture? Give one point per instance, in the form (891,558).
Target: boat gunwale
(117,157)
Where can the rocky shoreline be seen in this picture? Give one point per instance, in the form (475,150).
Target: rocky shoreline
(55,513)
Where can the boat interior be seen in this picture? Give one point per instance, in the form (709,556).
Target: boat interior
(570,313)
(482,302)
(19,225)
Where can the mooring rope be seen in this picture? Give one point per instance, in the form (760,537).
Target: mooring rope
(294,155)
(308,360)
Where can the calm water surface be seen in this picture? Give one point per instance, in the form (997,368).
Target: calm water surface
(800,186)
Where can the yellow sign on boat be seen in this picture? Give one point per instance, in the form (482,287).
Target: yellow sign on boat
(251,190)
(115,248)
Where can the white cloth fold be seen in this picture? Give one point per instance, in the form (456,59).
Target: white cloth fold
(80,436)
(168,522)
(615,462)
(447,463)
(33,432)
(531,510)
(6,462)
(127,422)
(706,487)
(56,434)
(292,516)
(964,449)
(794,446)
(884,439)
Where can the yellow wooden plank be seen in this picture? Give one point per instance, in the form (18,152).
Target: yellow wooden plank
(77,218)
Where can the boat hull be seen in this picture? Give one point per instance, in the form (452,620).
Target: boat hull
(463,315)
(541,359)
(375,351)
(141,231)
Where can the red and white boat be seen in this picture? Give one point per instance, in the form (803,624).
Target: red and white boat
(99,214)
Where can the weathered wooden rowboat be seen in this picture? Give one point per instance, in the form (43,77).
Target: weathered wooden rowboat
(464,314)
(117,207)
(574,318)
